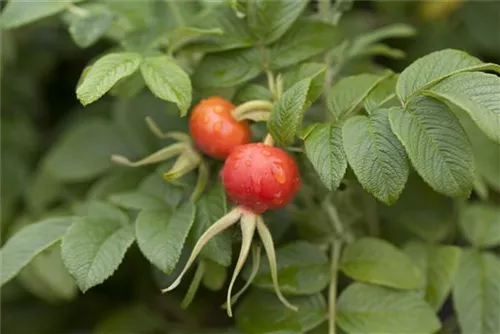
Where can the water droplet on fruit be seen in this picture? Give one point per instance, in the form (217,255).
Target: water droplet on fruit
(218,109)
(278,201)
(266,153)
(236,165)
(217,126)
(278,173)
(248,163)
(206,119)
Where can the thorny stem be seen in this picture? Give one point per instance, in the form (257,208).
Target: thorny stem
(332,290)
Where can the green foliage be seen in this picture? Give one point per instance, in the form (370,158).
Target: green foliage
(161,234)
(375,155)
(323,145)
(439,265)
(94,246)
(480,224)
(303,269)
(436,144)
(105,73)
(167,81)
(288,112)
(375,261)
(395,228)
(475,292)
(369,308)
(262,312)
(29,242)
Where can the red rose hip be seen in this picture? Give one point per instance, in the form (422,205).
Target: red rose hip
(260,177)
(214,129)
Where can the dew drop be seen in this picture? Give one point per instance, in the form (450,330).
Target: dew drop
(206,119)
(218,109)
(248,163)
(278,174)
(278,201)
(266,153)
(236,165)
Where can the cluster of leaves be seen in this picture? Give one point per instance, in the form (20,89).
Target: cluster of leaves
(388,162)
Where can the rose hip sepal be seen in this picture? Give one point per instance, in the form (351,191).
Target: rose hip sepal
(214,130)
(270,180)
(260,177)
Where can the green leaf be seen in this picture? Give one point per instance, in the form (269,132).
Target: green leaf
(47,277)
(214,275)
(161,234)
(235,31)
(476,291)
(305,39)
(349,92)
(167,81)
(303,269)
(128,87)
(84,151)
(436,144)
(28,242)
(183,35)
(105,73)
(440,265)
(17,13)
(434,67)
(383,95)
(251,92)
(210,207)
(288,112)
(94,246)
(323,146)
(137,200)
(87,30)
(480,224)
(270,19)
(376,261)
(376,156)
(227,69)
(261,313)
(154,185)
(364,308)
(486,152)
(363,44)
(430,218)
(476,93)
(303,71)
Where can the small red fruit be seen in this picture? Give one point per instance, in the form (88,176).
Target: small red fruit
(260,177)
(214,129)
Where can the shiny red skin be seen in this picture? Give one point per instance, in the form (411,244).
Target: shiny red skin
(214,129)
(260,177)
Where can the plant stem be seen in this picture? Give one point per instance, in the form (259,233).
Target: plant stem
(337,224)
(332,290)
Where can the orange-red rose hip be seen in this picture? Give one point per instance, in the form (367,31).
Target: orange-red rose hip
(260,177)
(214,129)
